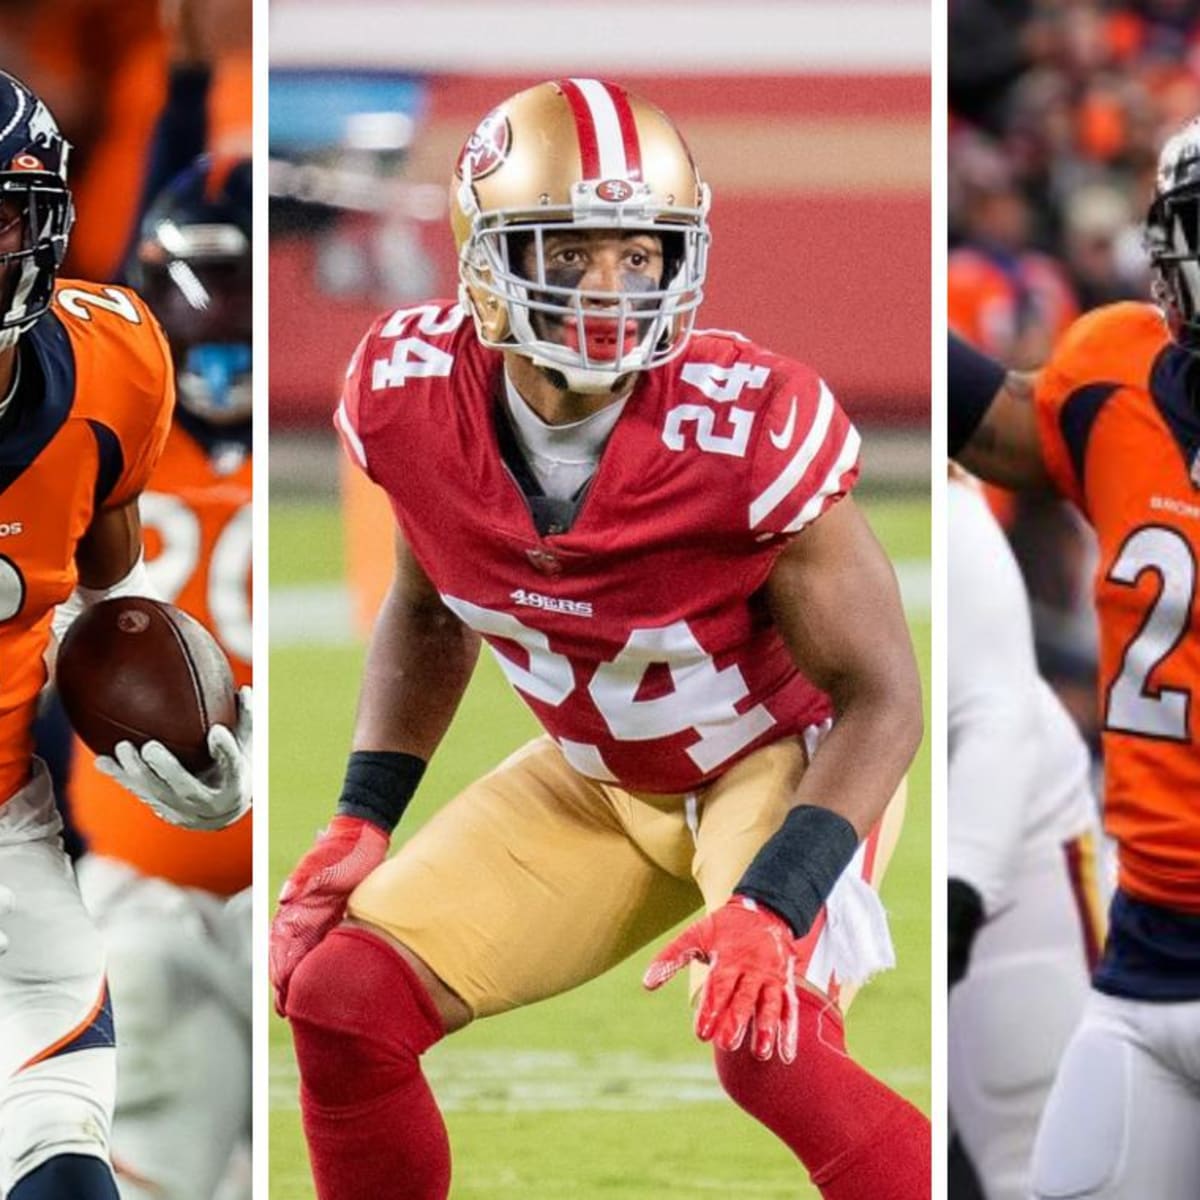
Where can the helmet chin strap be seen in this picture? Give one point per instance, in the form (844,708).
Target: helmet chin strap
(583,380)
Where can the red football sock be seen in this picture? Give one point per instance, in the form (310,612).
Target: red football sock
(858,1138)
(360,1020)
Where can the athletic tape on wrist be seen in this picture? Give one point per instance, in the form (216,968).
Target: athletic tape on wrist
(379,785)
(974,379)
(796,868)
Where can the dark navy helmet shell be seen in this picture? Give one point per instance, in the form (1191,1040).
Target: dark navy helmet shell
(193,266)
(36,212)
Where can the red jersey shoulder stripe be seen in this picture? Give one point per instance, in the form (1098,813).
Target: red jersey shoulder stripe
(781,486)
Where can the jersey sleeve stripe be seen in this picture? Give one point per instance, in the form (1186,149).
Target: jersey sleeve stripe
(778,491)
(112,461)
(1076,418)
(832,485)
(350,434)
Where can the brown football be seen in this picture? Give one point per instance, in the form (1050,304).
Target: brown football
(133,669)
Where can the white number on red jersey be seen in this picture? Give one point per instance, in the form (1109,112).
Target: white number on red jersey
(412,357)
(704,699)
(724,385)
(1134,707)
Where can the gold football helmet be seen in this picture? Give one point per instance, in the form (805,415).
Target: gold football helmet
(578,154)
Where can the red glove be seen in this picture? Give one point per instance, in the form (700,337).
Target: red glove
(313,899)
(751,979)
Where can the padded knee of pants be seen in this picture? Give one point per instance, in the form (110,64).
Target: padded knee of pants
(44,1124)
(360,1017)
(1084,1129)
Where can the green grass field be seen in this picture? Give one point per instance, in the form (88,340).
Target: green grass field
(604,1093)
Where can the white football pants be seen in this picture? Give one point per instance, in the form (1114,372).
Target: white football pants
(54,1098)
(1123,1120)
(1011,1017)
(178,967)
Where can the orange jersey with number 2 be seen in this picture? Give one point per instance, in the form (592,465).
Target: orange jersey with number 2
(1120,436)
(98,374)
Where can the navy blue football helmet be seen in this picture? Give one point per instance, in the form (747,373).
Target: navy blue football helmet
(34,199)
(193,266)
(1173,235)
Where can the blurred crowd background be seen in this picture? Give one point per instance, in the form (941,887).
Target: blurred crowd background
(818,156)
(1057,111)
(135,86)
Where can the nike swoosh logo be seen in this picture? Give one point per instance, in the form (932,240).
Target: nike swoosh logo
(783,438)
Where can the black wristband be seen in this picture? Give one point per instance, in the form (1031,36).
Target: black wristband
(964,915)
(973,381)
(796,869)
(378,786)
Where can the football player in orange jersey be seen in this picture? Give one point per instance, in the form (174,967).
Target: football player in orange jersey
(1113,423)
(85,400)
(178,955)
(650,526)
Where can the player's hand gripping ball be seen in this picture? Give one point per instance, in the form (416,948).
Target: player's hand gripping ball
(150,691)
(314,897)
(751,984)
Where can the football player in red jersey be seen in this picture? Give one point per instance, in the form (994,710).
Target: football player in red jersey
(85,402)
(1114,425)
(650,527)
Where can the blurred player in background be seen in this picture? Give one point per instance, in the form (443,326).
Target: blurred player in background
(616,506)
(107,71)
(85,400)
(1114,425)
(179,962)
(1057,112)
(1025,923)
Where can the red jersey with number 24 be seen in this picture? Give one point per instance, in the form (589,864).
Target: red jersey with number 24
(639,636)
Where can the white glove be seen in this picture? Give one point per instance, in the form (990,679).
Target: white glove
(211,801)
(8,902)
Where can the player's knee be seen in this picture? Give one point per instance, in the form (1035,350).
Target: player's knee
(39,1127)
(360,1018)
(1082,1139)
(819,1031)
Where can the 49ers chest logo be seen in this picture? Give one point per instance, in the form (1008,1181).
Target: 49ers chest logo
(486,148)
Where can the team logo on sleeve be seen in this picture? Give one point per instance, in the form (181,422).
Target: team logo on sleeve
(486,148)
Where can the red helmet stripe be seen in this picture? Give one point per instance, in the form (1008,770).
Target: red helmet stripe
(585,128)
(629,133)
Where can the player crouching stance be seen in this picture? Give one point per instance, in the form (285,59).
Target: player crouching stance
(651,529)
(85,403)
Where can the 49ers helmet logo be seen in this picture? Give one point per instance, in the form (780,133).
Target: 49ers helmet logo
(614,190)
(487,147)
